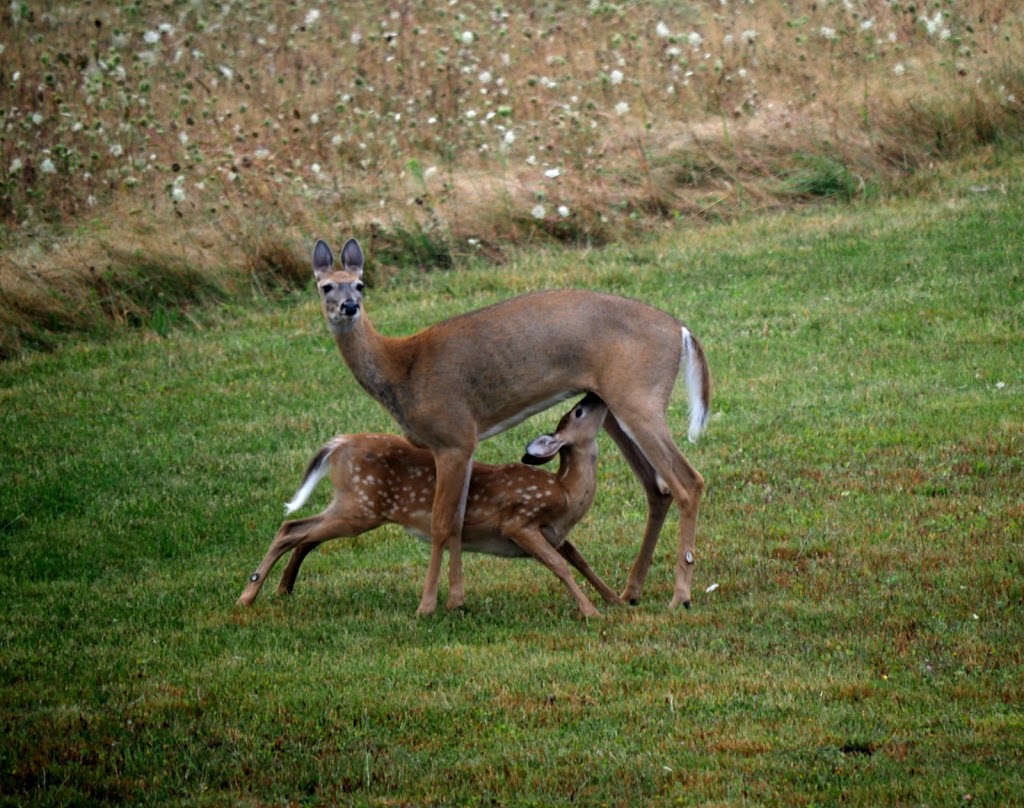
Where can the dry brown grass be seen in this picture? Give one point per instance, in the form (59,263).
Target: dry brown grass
(237,134)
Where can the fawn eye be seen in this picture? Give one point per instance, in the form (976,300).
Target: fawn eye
(327,288)
(358,286)
(579,412)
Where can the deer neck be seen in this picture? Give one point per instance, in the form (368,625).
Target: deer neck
(577,472)
(376,362)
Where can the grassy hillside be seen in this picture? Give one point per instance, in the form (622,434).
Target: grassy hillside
(153,156)
(863,525)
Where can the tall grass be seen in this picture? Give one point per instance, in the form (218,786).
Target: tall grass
(231,131)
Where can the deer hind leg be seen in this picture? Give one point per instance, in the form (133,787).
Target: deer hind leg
(651,435)
(454,467)
(291,570)
(569,552)
(658,503)
(536,545)
(300,536)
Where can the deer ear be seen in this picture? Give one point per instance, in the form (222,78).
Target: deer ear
(542,449)
(352,257)
(323,258)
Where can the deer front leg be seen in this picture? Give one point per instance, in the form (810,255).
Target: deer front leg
(536,545)
(454,467)
(569,552)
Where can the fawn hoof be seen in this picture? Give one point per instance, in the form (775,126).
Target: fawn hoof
(633,601)
(686,604)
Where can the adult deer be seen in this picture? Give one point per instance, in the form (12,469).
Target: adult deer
(512,510)
(463,380)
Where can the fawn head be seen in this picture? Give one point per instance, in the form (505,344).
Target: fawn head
(341,291)
(578,427)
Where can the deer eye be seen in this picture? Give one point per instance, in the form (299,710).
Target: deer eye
(358,286)
(327,288)
(579,412)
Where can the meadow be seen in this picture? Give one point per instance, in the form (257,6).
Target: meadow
(855,634)
(826,193)
(152,157)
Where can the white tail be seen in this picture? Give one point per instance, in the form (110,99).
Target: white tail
(465,379)
(696,373)
(512,510)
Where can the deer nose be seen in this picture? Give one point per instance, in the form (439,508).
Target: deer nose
(349,308)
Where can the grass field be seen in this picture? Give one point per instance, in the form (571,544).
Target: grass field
(864,523)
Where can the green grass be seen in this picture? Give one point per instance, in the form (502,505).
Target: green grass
(863,520)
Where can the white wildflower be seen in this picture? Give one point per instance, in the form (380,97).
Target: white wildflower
(336,141)
(616,77)
(151,37)
(552,173)
(621,108)
(261,153)
(165,28)
(933,25)
(485,77)
(711,588)
(429,172)
(116,150)
(226,72)
(314,119)
(16,166)
(466,38)
(178,189)
(183,138)
(867,25)
(695,40)
(355,38)
(563,211)
(312,16)
(538,211)
(899,70)
(662,30)
(749,36)
(828,33)
(37,118)
(47,166)
(531,160)
(315,168)
(509,138)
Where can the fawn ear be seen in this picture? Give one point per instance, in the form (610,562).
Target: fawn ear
(323,258)
(542,449)
(352,257)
